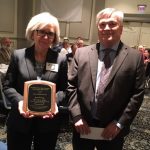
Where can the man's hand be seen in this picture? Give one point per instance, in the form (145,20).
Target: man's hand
(82,127)
(111,131)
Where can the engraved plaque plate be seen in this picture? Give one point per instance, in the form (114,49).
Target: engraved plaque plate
(39,97)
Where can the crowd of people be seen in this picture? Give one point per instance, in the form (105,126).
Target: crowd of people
(146,57)
(101,84)
(5,56)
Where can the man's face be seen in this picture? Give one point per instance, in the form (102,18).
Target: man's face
(109,31)
(141,49)
(80,43)
(6,43)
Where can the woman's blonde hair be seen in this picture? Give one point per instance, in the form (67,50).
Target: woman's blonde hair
(41,20)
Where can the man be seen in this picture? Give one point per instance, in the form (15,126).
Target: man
(80,43)
(141,48)
(105,93)
(5,50)
(66,49)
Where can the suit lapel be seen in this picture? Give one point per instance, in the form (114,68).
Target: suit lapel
(51,58)
(30,62)
(120,56)
(93,56)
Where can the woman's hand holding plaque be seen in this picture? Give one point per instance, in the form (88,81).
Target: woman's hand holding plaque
(22,112)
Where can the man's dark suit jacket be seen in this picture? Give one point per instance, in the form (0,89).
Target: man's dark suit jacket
(123,94)
(21,69)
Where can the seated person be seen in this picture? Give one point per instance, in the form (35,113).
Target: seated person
(3,146)
(65,46)
(80,42)
(5,50)
(146,54)
(5,54)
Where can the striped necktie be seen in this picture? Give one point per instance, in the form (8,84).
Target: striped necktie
(105,71)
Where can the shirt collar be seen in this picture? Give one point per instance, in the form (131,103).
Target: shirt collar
(114,47)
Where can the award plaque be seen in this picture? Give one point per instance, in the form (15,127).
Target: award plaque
(39,97)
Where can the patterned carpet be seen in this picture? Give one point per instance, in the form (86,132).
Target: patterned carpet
(138,139)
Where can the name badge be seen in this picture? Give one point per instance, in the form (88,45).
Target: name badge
(52,67)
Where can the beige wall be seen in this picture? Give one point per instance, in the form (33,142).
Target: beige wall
(8,16)
(85,28)
(24,14)
(128,6)
(136,25)
(15,15)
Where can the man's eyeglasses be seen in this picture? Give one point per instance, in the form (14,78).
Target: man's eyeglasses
(42,33)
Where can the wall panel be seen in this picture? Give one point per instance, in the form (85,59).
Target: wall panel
(145,35)
(131,33)
(82,28)
(7,15)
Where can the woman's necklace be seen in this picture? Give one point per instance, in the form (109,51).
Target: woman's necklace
(40,59)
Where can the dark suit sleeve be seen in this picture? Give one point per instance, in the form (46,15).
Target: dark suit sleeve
(62,83)
(9,83)
(74,106)
(147,72)
(136,99)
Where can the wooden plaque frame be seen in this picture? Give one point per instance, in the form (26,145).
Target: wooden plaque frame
(36,93)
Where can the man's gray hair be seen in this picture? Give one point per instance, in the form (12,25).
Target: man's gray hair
(108,12)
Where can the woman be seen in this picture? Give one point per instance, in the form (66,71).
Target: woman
(33,64)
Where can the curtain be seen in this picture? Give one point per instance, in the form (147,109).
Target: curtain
(64,10)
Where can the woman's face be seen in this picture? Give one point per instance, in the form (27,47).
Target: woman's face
(44,38)
(146,53)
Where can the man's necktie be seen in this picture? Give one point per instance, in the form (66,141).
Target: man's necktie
(105,71)
(104,75)
(106,59)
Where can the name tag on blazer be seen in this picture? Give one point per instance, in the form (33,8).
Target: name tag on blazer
(52,67)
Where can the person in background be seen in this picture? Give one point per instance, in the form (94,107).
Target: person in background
(74,48)
(57,47)
(5,50)
(80,42)
(105,87)
(71,55)
(141,49)
(146,57)
(66,49)
(38,62)
(147,67)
